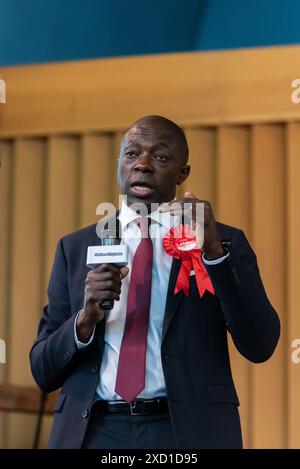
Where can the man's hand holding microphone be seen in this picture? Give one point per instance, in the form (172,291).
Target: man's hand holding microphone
(102,283)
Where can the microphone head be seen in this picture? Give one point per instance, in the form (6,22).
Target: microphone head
(109,238)
(109,232)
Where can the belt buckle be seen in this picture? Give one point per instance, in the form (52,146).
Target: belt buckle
(132,406)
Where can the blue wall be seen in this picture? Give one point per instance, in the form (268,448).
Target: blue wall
(249,23)
(34,31)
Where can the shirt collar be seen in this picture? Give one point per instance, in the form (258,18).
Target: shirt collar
(127,215)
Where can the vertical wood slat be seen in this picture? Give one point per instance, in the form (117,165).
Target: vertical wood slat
(232,207)
(62,189)
(201,181)
(6,164)
(6,153)
(95,175)
(293,281)
(114,165)
(62,209)
(26,273)
(268,235)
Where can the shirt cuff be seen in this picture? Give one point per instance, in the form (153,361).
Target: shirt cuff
(82,345)
(214,261)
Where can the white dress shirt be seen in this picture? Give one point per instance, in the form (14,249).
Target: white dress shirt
(115,322)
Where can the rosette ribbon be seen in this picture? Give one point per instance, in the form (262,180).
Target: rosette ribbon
(190,260)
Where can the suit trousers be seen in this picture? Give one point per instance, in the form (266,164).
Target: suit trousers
(123,431)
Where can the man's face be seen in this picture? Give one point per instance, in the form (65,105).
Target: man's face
(151,164)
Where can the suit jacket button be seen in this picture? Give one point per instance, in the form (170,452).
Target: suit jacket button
(67,355)
(166,357)
(95,369)
(85,414)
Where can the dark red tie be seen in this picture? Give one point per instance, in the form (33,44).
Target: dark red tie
(132,359)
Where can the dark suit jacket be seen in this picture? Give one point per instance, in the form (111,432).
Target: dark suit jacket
(200,390)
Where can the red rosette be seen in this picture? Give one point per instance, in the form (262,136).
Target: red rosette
(180,242)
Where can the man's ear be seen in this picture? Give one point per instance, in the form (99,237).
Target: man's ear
(185,171)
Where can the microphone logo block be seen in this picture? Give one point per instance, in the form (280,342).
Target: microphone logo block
(114,254)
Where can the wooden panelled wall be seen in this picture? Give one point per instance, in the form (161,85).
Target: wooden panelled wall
(59,137)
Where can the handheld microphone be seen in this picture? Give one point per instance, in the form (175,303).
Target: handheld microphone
(110,251)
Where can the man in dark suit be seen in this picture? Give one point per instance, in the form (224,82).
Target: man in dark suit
(154,372)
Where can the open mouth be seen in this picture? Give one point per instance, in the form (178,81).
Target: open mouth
(141,189)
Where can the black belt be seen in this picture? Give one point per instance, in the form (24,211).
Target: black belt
(158,405)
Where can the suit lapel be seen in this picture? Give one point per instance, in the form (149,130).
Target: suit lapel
(173,301)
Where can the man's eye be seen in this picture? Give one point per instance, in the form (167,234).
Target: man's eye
(130,154)
(160,157)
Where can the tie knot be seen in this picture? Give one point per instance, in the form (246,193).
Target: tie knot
(143,224)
